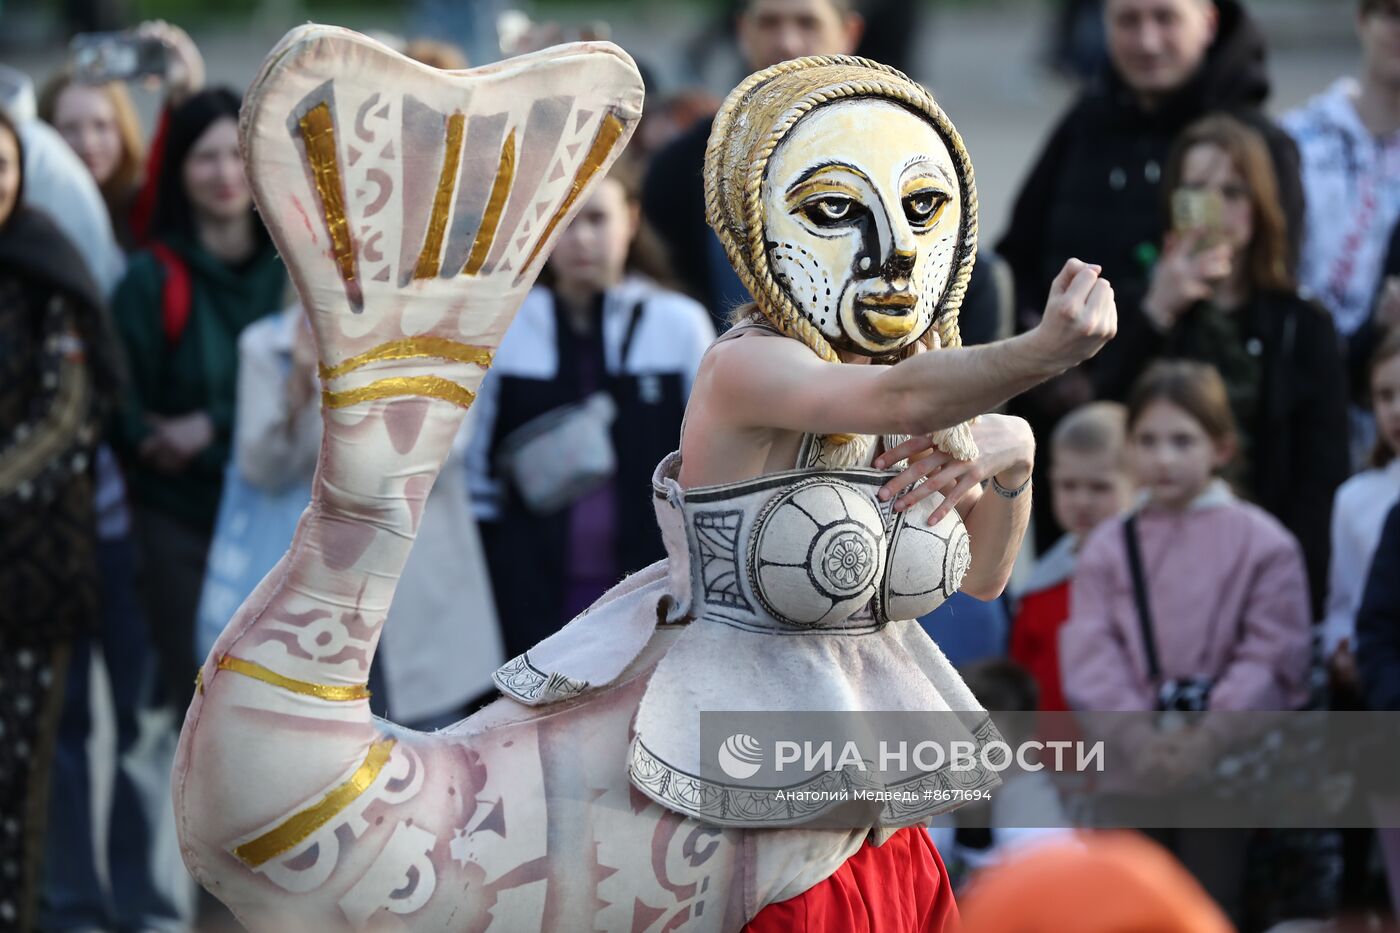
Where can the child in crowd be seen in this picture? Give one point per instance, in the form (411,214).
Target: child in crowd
(1089,484)
(1358,513)
(1214,615)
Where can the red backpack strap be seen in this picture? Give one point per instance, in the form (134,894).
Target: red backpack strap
(175,296)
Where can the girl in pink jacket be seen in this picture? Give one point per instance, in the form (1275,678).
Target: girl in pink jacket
(1226,601)
(1224,581)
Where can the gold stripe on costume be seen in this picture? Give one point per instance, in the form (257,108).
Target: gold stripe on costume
(608,134)
(430,259)
(304,687)
(411,348)
(495,206)
(423,386)
(318,133)
(292,831)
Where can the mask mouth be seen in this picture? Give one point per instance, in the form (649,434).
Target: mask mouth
(885,317)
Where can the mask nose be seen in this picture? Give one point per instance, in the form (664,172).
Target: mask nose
(888,250)
(899,265)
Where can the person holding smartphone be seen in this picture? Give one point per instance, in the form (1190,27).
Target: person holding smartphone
(1222,293)
(89,104)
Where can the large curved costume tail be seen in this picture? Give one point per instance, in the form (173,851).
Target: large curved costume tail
(414,208)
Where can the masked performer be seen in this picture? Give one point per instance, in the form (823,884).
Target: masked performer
(414,209)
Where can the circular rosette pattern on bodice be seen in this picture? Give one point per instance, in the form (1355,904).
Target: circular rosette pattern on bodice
(818,553)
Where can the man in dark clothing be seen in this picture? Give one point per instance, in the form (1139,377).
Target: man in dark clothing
(673,196)
(1095,191)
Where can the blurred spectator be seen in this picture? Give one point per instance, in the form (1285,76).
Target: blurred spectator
(442,642)
(1089,485)
(968,629)
(769,31)
(57,184)
(599,334)
(58,370)
(1361,507)
(99,122)
(1378,663)
(669,117)
(892,28)
(673,199)
(210,272)
(1093,883)
(436,54)
(1349,140)
(1222,293)
(1077,39)
(1197,601)
(1385,317)
(1094,191)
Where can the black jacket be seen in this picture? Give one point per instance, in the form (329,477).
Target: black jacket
(1363,344)
(1095,191)
(1378,622)
(1298,441)
(59,371)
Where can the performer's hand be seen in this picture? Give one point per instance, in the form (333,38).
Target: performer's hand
(1080,316)
(1007,451)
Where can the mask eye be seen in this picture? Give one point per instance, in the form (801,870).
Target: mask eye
(923,207)
(830,210)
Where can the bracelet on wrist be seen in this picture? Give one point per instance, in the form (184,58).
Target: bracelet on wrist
(1010,493)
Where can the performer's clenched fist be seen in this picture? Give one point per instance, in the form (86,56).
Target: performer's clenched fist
(1080,316)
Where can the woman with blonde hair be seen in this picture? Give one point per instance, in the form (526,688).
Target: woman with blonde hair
(99,122)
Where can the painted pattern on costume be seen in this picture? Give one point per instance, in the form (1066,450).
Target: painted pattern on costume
(414,209)
(399,197)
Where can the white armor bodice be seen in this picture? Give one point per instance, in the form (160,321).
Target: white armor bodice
(804,551)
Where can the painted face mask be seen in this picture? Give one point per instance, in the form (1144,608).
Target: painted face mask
(845,200)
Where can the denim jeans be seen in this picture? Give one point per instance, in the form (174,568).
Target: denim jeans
(149,885)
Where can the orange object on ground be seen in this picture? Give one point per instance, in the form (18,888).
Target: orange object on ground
(899,887)
(1115,882)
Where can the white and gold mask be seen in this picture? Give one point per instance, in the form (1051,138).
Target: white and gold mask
(862,237)
(844,198)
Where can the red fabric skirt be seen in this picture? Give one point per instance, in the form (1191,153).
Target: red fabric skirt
(899,887)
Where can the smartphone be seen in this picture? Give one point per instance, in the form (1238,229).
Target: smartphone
(1196,211)
(98,57)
